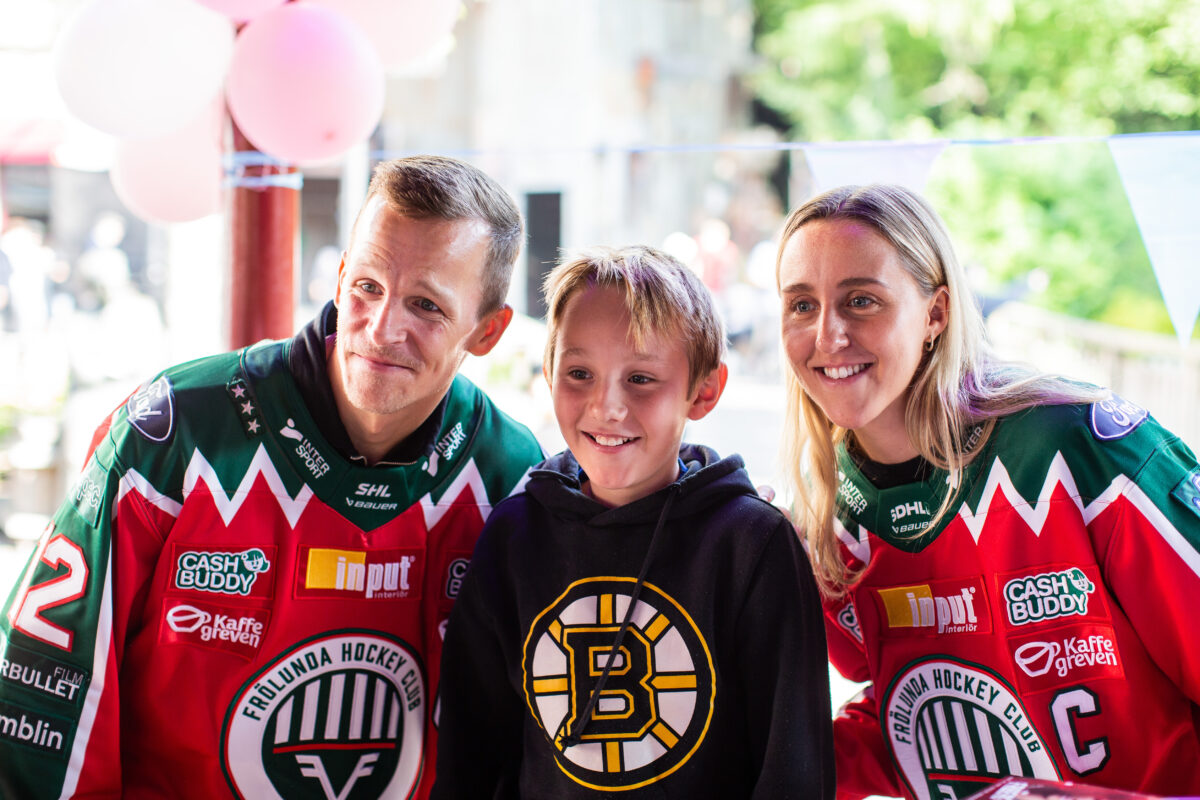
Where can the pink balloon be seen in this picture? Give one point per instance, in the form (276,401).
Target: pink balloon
(177,177)
(403,31)
(241,10)
(304,84)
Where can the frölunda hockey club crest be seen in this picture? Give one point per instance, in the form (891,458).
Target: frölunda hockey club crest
(657,702)
(341,716)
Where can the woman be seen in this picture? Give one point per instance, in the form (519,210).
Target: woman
(1008,557)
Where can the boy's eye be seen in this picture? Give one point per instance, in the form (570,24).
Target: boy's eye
(577,374)
(640,379)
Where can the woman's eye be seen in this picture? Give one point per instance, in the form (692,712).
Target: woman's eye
(861,301)
(802,306)
(577,374)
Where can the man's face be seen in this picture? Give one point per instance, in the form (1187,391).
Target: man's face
(408,300)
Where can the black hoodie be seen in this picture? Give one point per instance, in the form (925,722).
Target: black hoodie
(719,686)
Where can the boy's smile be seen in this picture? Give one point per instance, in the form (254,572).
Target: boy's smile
(621,409)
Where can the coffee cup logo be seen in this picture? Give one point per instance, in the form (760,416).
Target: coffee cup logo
(1036,658)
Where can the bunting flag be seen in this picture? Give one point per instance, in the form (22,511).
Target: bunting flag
(904,163)
(1161,174)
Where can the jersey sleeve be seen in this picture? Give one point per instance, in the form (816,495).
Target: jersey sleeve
(1148,540)
(479,716)
(863,765)
(61,635)
(785,676)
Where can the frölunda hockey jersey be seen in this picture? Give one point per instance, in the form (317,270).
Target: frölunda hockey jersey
(226,607)
(1044,630)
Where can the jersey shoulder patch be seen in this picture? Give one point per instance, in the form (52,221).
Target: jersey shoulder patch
(151,410)
(1188,491)
(1115,418)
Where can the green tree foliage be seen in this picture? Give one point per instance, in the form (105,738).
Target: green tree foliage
(1048,218)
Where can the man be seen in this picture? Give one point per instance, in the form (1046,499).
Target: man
(245,592)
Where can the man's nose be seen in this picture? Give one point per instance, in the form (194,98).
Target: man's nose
(388,323)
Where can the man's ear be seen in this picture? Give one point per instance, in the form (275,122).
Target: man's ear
(489,331)
(709,392)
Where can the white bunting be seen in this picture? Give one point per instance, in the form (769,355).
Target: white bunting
(1161,173)
(903,163)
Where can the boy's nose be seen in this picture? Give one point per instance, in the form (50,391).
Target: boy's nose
(608,402)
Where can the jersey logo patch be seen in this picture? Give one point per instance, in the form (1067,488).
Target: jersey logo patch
(1188,491)
(848,619)
(87,495)
(44,733)
(240,572)
(952,725)
(385,574)
(1115,418)
(455,572)
(1052,659)
(233,630)
(935,608)
(339,716)
(1031,598)
(44,675)
(151,410)
(655,708)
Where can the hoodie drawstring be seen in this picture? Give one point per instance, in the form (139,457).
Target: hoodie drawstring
(573,738)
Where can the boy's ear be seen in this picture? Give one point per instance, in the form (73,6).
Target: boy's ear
(709,392)
(491,328)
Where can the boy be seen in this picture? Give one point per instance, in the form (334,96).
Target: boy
(637,622)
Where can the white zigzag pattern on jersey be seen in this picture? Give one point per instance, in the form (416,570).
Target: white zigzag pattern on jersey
(1035,514)
(859,547)
(468,477)
(227,505)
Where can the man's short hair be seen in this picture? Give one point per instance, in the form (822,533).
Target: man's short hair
(664,298)
(423,187)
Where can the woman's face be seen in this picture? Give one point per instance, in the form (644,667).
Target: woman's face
(854,327)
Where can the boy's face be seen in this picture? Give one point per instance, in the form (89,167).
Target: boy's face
(622,410)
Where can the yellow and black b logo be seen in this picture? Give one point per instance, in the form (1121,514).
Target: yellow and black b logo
(655,705)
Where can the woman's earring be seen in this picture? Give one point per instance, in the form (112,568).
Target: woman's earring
(929,344)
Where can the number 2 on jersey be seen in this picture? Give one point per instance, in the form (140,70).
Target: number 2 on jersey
(57,552)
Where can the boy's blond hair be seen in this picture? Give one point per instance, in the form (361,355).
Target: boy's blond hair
(664,298)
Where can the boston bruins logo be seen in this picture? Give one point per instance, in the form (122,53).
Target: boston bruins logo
(656,704)
(339,716)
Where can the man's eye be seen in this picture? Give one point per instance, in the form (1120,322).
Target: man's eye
(369,287)
(426,304)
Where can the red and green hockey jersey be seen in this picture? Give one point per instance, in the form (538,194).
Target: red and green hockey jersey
(226,607)
(1042,630)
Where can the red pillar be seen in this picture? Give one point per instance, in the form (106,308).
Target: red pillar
(264,234)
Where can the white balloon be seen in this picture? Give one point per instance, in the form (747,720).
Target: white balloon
(176,177)
(403,31)
(140,68)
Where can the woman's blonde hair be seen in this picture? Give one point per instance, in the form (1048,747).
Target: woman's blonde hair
(958,392)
